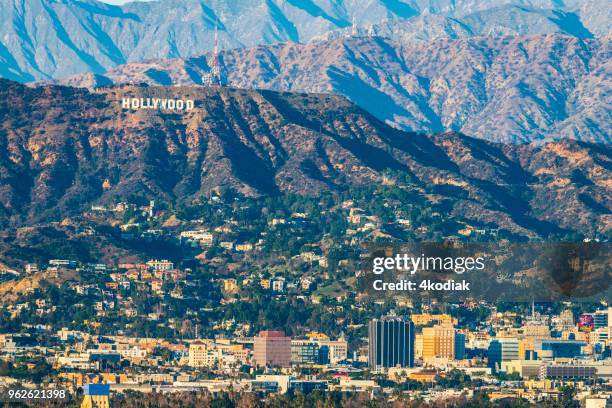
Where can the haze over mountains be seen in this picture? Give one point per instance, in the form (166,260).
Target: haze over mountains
(505,19)
(44,39)
(62,149)
(508,89)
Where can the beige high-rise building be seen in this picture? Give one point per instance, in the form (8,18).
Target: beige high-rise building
(201,354)
(272,348)
(439,341)
(566,320)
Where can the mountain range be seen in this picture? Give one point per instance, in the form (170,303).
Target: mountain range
(506,19)
(46,39)
(507,89)
(500,70)
(63,149)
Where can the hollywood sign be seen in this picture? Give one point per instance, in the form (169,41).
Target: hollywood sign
(158,104)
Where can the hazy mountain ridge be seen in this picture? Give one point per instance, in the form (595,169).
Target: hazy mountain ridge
(44,39)
(509,89)
(62,149)
(505,20)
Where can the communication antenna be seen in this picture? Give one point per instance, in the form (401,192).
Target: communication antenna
(214,76)
(216,70)
(216,38)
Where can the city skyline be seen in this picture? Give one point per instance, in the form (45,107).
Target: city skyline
(305,203)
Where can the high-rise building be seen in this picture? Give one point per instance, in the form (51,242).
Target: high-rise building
(566,320)
(304,352)
(601,318)
(391,343)
(202,354)
(442,341)
(502,349)
(272,348)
